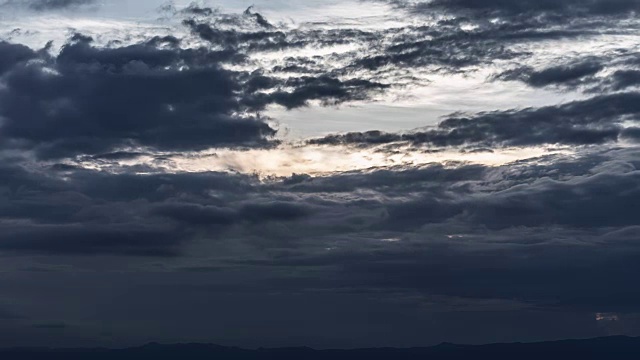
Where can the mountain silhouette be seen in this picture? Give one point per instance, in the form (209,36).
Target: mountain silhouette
(618,347)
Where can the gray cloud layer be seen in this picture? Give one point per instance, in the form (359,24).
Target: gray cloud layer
(593,121)
(555,235)
(508,228)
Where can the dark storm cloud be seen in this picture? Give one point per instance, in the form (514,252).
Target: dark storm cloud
(208,215)
(592,121)
(196,214)
(92,214)
(118,156)
(260,20)
(571,75)
(194,9)
(41,5)
(234,38)
(619,80)
(469,37)
(154,94)
(9,315)
(96,214)
(564,193)
(51,326)
(207,12)
(86,239)
(632,133)
(329,90)
(537,275)
(461,230)
(610,72)
(44,5)
(569,8)
(506,238)
(434,178)
(553,233)
(463,44)
(13,54)
(446,47)
(544,202)
(91,99)
(470,232)
(248,37)
(132,99)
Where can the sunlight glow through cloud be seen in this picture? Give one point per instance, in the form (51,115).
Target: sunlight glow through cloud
(316,160)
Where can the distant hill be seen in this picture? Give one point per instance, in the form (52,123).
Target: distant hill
(618,347)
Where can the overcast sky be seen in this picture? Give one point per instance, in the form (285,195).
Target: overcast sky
(318,173)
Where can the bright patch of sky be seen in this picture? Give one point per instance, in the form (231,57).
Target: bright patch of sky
(312,160)
(419,103)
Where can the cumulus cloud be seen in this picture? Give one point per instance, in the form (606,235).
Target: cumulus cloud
(91,99)
(153,94)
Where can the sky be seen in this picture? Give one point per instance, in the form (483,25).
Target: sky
(333,174)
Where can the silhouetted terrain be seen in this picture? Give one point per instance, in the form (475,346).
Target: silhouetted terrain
(601,348)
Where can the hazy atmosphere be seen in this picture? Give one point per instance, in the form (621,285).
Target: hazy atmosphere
(323,173)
